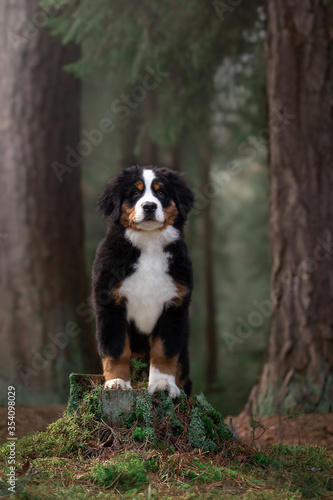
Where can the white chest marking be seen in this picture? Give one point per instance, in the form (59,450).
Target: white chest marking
(150,287)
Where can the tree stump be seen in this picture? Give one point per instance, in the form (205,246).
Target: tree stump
(155,420)
(113,402)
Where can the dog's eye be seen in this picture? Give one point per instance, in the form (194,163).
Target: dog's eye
(136,193)
(160,193)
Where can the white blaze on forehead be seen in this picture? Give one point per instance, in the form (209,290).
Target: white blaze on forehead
(148,178)
(148,196)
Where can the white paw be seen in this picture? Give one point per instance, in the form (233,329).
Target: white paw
(164,385)
(161,382)
(117,383)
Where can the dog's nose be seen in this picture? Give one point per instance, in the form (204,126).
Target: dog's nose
(149,207)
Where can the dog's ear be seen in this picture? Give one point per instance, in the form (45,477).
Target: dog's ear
(109,202)
(184,196)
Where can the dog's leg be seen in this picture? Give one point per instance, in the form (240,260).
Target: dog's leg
(117,370)
(163,370)
(169,366)
(113,343)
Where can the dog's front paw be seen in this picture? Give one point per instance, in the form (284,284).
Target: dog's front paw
(164,384)
(117,383)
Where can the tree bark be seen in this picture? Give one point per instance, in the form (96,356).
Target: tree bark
(210,330)
(42,271)
(298,373)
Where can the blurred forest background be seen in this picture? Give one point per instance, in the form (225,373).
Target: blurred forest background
(178,84)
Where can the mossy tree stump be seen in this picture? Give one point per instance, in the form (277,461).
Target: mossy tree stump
(181,424)
(113,402)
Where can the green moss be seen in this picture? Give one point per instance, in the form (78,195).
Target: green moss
(186,475)
(207,430)
(271,495)
(261,460)
(144,415)
(196,430)
(168,423)
(166,438)
(82,389)
(124,472)
(158,420)
(75,394)
(309,468)
(202,473)
(68,436)
(94,402)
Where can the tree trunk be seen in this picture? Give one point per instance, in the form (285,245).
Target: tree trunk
(211,336)
(298,373)
(42,271)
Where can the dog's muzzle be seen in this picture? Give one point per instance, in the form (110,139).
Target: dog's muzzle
(149,209)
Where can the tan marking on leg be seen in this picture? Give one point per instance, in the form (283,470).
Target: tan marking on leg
(170,214)
(140,185)
(182,292)
(168,366)
(118,367)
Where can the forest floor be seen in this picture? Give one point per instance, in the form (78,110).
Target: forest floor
(157,453)
(314,428)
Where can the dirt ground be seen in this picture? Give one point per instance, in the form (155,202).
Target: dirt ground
(29,419)
(315,428)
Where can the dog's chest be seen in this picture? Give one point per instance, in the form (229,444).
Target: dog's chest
(149,288)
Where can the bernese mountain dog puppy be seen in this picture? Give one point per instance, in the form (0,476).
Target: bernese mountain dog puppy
(142,279)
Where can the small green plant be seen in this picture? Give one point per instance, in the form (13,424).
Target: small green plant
(138,369)
(256,424)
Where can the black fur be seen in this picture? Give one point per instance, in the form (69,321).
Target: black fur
(115,260)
